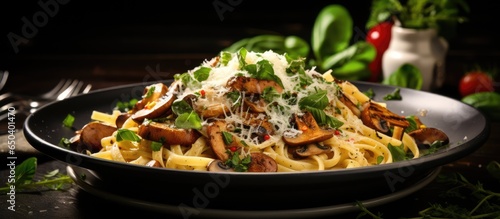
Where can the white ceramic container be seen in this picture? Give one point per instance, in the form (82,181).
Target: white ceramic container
(422,48)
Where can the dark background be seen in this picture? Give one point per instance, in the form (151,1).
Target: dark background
(116,41)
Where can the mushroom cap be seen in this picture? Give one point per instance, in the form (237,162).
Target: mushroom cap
(380,118)
(311,149)
(429,135)
(261,162)
(218,166)
(311,133)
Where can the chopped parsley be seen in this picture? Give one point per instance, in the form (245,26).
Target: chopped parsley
(238,164)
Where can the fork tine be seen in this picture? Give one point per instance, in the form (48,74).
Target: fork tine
(51,94)
(61,86)
(67,92)
(76,90)
(3,79)
(87,88)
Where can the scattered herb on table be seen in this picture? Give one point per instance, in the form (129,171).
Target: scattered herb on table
(24,179)
(485,203)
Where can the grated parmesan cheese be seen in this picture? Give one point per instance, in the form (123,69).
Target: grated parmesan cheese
(215,89)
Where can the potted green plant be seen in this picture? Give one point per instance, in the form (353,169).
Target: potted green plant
(418,35)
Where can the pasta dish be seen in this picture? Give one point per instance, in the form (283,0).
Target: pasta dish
(255,112)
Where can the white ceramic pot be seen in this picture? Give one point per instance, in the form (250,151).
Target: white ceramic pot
(422,48)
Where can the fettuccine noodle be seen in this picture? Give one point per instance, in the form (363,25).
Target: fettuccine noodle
(217,90)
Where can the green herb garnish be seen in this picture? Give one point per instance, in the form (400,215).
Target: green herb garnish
(124,106)
(238,164)
(156,146)
(395,95)
(69,120)
(24,180)
(187,118)
(227,137)
(127,135)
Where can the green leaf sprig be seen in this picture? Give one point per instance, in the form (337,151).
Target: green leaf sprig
(485,202)
(24,180)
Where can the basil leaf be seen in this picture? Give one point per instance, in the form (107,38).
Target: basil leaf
(413,124)
(318,100)
(323,119)
(180,107)
(202,73)
(25,171)
(353,71)
(156,146)
(126,135)
(486,102)
(263,70)
(360,51)
(395,95)
(369,93)
(225,57)
(297,66)
(269,94)
(189,120)
(397,152)
(332,31)
(242,55)
(407,75)
(187,80)
(296,47)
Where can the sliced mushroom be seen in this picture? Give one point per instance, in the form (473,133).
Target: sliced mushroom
(257,106)
(427,136)
(260,123)
(162,132)
(312,149)
(261,162)
(121,119)
(311,132)
(157,90)
(252,85)
(349,104)
(381,119)
(159,107)
(212,111)
(219,166)
(92,133)
(215,132)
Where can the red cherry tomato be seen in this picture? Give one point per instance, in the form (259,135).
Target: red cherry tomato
(474,82)
(380,37)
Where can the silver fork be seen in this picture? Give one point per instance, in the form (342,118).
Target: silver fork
(3,79)
(28,106)
(60,87)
